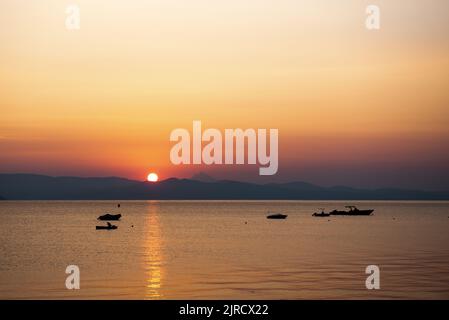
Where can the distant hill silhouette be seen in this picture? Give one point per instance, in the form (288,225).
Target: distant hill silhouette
(39,187)
(203,177)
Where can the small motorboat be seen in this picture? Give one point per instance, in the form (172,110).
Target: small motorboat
(353,211)
(111,217)
(321,214)
(108,227)
(277,216)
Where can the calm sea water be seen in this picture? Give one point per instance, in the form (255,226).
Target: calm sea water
(223,250)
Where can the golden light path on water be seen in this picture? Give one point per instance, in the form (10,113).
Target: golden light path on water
(153,253)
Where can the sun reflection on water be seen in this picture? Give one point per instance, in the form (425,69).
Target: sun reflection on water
(153,253)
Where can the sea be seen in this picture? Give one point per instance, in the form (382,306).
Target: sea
(224,250)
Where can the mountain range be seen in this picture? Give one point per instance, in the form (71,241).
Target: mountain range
(199,187)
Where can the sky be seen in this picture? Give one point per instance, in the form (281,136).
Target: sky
(352,106)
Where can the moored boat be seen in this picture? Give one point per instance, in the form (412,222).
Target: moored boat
(277,216)
(321,214)
(353,211)
(112,217)
(108,227)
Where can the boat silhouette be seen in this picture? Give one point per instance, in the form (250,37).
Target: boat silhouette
(277,216)
(353,211)
(108,227)
(321,214)
(111,217)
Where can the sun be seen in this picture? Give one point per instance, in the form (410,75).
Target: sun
(152,177)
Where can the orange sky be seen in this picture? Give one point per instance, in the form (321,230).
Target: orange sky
(365,108)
